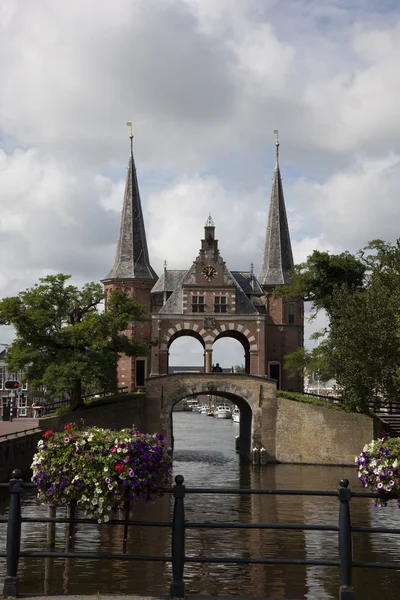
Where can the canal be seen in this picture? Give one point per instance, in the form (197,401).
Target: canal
(205,456)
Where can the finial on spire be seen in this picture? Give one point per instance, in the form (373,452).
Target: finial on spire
(277,144)
(251,269)
(165,264)
(210,222)
(129,124)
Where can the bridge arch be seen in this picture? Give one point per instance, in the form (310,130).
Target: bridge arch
(255,395)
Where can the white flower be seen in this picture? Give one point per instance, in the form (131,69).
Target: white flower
(395,463)
(95,501)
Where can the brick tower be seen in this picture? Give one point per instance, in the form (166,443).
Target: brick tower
(132,272)
(208,300)
(284,326)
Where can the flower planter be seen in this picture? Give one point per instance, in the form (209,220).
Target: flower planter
(378,468)
(100,470)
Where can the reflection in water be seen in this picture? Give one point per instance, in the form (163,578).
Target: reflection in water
(205,456)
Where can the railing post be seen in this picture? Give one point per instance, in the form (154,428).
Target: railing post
(177,588)
(13,536)
(70,529)
(346,591)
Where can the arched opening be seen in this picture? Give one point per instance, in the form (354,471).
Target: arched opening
(198,438)
(232,346)
(186,349)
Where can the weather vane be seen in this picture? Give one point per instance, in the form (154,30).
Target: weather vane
(129,124)
(277,143)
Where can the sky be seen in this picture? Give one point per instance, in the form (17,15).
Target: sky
(205,83)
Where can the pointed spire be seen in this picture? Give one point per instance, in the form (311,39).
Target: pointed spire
(209,222)
(132,256)
(277,262)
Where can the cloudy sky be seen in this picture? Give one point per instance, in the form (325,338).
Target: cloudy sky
(205,83)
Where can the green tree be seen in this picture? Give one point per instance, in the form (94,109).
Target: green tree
(316,279)
(361,297)
(239,368)
(64,340)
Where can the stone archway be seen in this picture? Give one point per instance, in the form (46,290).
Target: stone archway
(255,395)
(240,337)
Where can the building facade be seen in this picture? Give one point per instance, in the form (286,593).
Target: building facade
(208,300)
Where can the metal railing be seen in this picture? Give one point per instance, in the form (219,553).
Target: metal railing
(178,557)
(14,434)
(53,405)
(378,407)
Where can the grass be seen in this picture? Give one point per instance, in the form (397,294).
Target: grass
(297,397)
(102,401)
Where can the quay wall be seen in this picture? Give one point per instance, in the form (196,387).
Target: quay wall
(118,415)
(316,435)
(17,453)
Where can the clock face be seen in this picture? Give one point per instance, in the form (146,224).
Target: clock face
(209,272)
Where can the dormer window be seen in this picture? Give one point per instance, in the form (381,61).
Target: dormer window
(198,304)
(220,305)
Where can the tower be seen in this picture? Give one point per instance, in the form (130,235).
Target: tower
(133,273)
(284,327)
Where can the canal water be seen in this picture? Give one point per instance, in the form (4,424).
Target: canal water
(205,456)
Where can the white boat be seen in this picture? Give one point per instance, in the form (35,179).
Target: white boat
(203,410)
(236,415)
(223,411)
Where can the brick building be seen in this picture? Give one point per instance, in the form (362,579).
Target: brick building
(209,301)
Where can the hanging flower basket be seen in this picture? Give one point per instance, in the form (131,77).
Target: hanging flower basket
(101,469)
(378,468)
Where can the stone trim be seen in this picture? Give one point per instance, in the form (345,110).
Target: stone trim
(210,336)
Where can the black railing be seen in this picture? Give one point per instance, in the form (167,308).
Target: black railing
(378,406)
(104,393)
(55,404)
(14,434)
(178,525)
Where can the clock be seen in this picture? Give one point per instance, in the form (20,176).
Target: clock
(209,272)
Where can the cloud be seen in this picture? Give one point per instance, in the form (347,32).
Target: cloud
(204,86)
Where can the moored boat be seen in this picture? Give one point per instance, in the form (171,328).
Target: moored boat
(223,411)
(236,415)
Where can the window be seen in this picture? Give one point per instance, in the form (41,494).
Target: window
(24,385)
(220,304)
(198,304)
(140,372)
(1,378)
(291,313)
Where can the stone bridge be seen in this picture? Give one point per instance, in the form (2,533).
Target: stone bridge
(254,395)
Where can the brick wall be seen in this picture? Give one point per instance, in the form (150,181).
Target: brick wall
(315,435)
(17,453)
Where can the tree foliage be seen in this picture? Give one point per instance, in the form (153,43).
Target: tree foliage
(361,297)
(316,279)
(64,341)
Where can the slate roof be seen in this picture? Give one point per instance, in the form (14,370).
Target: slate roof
(132,256)
(248,284)
(174,304)
(277,262)
(168,281)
